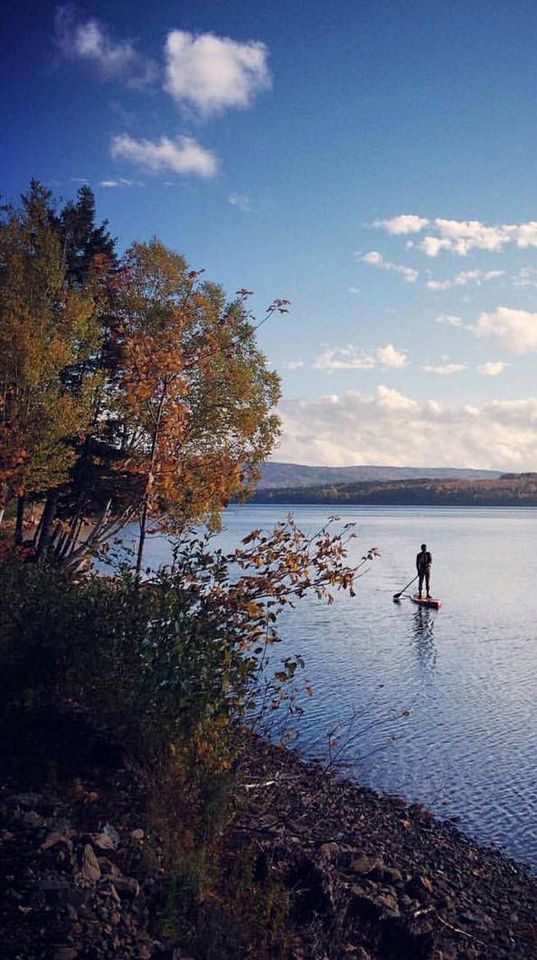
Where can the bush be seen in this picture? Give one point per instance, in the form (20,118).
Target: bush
(170,666)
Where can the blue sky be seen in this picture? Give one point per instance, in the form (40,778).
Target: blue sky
(373,162)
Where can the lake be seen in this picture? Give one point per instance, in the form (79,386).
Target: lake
(467,673)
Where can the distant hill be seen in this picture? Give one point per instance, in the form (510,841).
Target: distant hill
(505,490)
(283,475)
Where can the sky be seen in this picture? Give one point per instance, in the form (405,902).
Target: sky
(372,161)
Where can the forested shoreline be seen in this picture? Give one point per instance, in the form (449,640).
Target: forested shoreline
(509,490)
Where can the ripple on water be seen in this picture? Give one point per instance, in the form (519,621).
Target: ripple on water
(467,674)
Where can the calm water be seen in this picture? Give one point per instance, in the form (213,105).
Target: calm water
(466,673)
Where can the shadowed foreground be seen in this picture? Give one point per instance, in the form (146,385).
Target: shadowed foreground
(337,871)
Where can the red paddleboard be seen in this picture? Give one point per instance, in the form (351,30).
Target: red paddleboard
(424,602)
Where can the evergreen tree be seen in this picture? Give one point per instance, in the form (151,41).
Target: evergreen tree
(84,243)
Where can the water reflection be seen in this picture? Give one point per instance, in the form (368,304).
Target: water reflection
(423,635)
(462,682)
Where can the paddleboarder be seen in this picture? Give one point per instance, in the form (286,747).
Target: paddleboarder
(423,566)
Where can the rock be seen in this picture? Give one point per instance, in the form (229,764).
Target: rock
(59,892)
(138,834)
(107,839)
(363,865)
(111,832)
(386,874)
(55,891)
(328,850)
(56,836)
(127,887)
(91,870)
(103,841)
(419,885)
(389,903)
(32,819)
(364,908)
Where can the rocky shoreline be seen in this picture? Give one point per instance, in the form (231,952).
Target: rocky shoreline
(365,875)
(384,879)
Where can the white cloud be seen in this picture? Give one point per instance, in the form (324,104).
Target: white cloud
(515,330)
(388,399)
(293,364)
(241,201)
(450,319)
(375,259)
(433,245)
(350,358)
(492,368)
(461,236)
(390,428)
(354,290)
(213,73)
(525,234)
(388,356)
(526,277)
(90,42)
(464,277)
(182,155)
(343,358)
(491,275)
(403,224)
(119,182)
(445,369)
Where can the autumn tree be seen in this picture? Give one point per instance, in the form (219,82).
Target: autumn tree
(190,403)
(129,390)
(45,329)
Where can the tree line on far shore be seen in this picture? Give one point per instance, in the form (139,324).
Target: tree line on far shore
(507,490)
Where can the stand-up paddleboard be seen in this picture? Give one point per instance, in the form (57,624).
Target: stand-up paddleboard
(424,602)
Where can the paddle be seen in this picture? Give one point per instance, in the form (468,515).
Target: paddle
(397,595)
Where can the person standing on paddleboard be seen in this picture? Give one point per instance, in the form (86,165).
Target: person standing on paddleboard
(423,566)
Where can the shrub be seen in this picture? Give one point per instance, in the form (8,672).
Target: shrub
(169,666)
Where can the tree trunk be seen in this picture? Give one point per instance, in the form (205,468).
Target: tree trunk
(19,526)
(63,548)
(149,482)
(141,541)
(49,513)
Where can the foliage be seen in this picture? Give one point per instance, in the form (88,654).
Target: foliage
(160,660)
(128,389)
(172,666)
(244,917)
(190,403)
(45,329)
(84,243)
